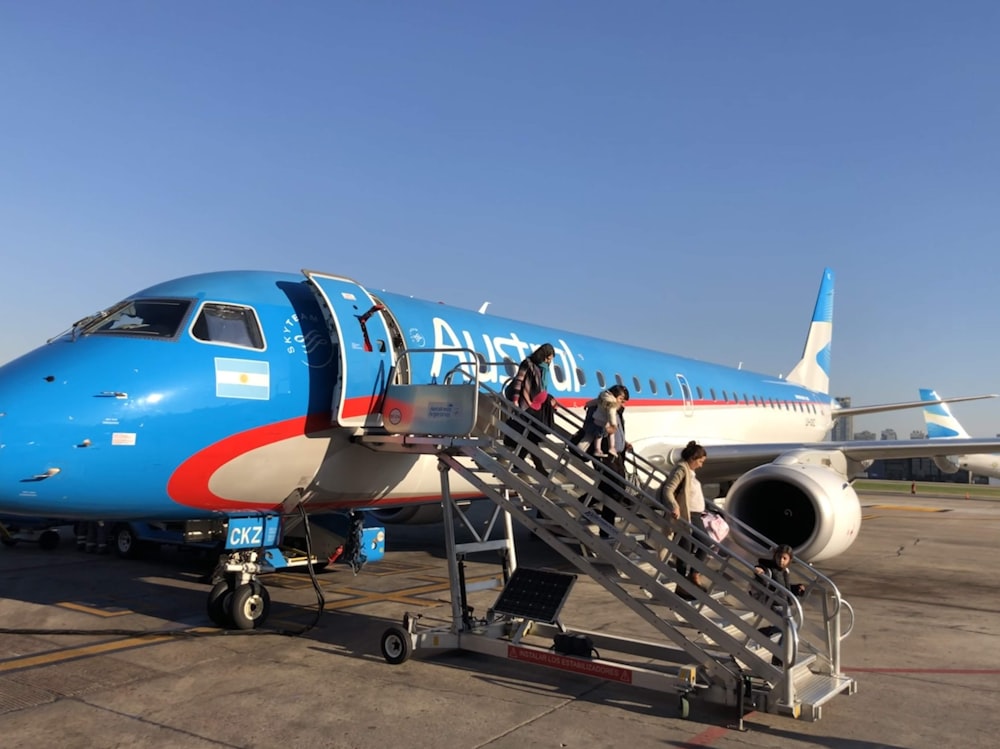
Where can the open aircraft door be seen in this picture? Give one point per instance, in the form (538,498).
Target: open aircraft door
(358,328)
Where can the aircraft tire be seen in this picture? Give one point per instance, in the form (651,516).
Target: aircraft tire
(250,606)
(126,544)
(49,539)
(396,645)
(219,604)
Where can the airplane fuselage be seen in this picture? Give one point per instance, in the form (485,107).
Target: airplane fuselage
(127,416)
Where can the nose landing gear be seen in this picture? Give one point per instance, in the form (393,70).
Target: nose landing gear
(238,599)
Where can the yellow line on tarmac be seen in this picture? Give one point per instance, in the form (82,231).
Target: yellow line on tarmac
(907,508)
(408,596)
(92,610)
(84,651)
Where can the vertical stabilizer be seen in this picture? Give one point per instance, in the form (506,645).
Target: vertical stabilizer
(940,422)
(813,369)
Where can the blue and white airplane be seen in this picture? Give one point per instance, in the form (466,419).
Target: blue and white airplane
(228,392)
(941,424)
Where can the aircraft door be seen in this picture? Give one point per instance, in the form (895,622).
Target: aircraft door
(686,394)
(358,328)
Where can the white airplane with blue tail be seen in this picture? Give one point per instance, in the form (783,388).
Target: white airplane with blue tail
(941,424)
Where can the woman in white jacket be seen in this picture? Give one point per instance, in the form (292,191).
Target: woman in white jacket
(682,493)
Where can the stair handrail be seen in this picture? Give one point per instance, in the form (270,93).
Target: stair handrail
(651,509)
(648,505)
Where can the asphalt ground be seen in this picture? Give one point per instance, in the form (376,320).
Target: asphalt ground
(143,667)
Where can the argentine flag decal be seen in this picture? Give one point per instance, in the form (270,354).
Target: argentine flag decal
(242,378)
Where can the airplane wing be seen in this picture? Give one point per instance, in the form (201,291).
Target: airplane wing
(731,461)
(859,410)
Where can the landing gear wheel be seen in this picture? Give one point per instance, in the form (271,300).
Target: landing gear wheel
(49,539)
(125,542)
(684,706)
(220,604)
(396,646)
(250,606)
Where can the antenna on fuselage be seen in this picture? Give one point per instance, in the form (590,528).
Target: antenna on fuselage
(482,310)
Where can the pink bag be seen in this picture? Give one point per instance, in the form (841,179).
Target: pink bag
(716,526)
(539,400)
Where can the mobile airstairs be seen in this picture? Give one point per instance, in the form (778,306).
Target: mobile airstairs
(706,644)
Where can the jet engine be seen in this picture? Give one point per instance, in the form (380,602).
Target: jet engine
(947,463)
(810,507)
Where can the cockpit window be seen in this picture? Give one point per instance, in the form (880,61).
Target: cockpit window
(153,318)
(228,324)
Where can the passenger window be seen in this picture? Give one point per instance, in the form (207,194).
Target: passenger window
(558,374)
(652,386)
(618,379)
(725,395)
(711,391)
(670,389)
(581,377)
(701,395)
(600,379)
(509,367)
(229,325)
(637,384)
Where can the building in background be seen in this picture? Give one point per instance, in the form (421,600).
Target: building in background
(843,427)
(918,469)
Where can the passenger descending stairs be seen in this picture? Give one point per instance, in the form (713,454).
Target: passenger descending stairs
(717,630)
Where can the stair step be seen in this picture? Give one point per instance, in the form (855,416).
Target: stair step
(626,565)
(816,690)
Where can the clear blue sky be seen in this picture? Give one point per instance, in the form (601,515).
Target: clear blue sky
(672,174)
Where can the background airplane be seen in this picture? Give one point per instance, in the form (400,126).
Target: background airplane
(942,424)
(247,392)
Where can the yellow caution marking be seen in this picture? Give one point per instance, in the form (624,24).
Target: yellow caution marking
(93,610)
(908,508)
(406,596)
(45,659)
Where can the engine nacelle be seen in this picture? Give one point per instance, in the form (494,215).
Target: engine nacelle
(947,463)
(810,507)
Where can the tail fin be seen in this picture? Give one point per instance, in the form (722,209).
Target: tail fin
(940,422)
(813,369)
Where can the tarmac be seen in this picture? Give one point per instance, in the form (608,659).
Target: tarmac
(97,651)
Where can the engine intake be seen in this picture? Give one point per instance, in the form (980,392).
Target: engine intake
(811,507)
